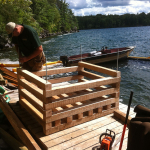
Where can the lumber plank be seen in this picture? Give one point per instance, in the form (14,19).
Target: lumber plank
(122,116)
(11,79)
(90,75)
(80,98)
(32,99)
(64,79)
(35,102)
(32,110)
(11,141)
(8,72)
(81,86)
(79,109)
(18,126)
(43,84)
(32,88)
(79,121)
(58,71)
(100,69)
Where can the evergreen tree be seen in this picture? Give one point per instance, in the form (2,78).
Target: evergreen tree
(18,11)
(113,21)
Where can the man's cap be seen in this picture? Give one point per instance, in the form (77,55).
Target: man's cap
(9,28)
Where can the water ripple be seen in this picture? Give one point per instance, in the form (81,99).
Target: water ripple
(135,75)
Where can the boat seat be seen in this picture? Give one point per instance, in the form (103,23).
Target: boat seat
(93,52)
(98,53)
(139,130)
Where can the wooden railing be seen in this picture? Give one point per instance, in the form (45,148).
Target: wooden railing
(59,107)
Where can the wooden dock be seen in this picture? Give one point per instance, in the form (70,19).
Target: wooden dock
(91,106)
(81,137)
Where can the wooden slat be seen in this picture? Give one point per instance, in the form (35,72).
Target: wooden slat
(11,141)
(43,84)
(11,79)
(58,71)
(64,79)
(122,116)
(90,75)
(33,111)
(32,99)
(101,87)
(32,88)
(79,121)
(18,126)
(84,108)
(100,69)
(81,86)
(80,97)
(8,72)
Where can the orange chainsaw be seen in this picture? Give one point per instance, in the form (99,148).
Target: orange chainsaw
(107,141)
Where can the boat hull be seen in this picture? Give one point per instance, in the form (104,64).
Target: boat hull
(109,57)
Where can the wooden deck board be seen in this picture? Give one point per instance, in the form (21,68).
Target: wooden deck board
(83,136)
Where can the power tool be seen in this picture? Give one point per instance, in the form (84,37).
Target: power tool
(107,141)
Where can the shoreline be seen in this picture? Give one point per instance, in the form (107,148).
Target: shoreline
(5,43)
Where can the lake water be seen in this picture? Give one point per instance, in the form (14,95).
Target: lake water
(135,74)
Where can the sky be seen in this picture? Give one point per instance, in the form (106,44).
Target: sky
(118,7)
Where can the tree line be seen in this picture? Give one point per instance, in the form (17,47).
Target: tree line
(51,15)
(55,16)
(112,21)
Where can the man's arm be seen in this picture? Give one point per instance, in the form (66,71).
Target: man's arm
(34,54)
(17,50)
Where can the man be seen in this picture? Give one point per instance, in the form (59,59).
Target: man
(28,46)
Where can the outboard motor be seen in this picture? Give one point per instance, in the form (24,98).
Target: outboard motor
(64,60)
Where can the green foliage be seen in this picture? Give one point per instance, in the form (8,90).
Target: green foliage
(18,11)
(51,15)
(113,21)
(47,15)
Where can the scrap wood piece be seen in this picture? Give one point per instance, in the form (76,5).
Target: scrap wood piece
(11,141)
(8,72)
(7,93)
(11,79)
(122,116)
(22,132)
(12,85)
(9,75)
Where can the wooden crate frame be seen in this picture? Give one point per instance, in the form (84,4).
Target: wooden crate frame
(58,108)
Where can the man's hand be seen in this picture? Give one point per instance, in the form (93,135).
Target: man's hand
(23,59)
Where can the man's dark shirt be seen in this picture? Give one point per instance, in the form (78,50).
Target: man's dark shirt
(28,41)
